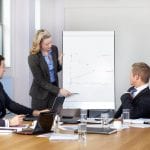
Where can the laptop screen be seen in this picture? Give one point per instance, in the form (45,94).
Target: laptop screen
(42,125)
(57,105)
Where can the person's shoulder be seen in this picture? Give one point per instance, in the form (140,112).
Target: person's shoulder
(34,56)
(147,90)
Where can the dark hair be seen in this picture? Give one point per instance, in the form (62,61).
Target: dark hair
(1,59)
(143,70)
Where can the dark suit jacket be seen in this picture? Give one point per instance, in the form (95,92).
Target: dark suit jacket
(139,105)
(41,85)
(6,102)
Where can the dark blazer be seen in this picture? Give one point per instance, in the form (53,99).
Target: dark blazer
(6,102)
(41,85)
(139,105)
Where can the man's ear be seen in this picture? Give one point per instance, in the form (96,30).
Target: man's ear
(137,77)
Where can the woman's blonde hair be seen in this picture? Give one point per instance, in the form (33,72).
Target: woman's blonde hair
(39,37)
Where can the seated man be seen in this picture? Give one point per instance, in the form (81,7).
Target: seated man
(7,103)
(137,98)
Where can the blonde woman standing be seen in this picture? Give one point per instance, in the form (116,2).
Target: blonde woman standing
(45,63)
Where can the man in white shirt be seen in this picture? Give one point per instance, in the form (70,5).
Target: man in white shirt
(137,98)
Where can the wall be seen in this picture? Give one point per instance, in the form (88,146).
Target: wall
(22,29)
(0,11)
(52,19)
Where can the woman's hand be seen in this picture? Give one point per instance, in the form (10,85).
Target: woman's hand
(64,92)
(60,57)
(37,112)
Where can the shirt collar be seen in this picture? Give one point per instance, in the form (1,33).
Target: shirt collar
(140,88)
(49,53)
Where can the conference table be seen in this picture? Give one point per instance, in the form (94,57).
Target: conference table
(126,139)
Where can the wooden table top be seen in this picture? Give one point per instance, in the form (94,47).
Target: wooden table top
(127,139)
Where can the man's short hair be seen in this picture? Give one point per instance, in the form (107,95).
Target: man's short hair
(141,69)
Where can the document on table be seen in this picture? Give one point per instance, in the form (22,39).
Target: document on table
(69,127)
(9,130)
(45,135)
(59,137)
(6,130)
(140,123)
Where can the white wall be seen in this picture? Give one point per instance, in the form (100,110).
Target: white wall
(129,19)
(22,28)
(52,19)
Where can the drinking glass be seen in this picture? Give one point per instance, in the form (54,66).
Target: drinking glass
(56,123)
(82,126)
(83,115)
(82,132)
(105,120)
(126,116)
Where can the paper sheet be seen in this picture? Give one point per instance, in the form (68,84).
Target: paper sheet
(10,129)
(59,137)
(46,135)
(69,127)
(138,121)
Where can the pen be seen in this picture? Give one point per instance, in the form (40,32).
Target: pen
(111,121)
(74,93)
(146,122)
(98,119)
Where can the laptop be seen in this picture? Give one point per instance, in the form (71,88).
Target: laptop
(101,130)
(57,106)
(70,120)
(42,125)
(44,122)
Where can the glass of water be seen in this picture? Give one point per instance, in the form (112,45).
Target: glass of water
(82,126)
(83,115)
(56,123)
(126,116)
(105,120)
(82,132)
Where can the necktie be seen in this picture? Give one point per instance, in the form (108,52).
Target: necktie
(133,91)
